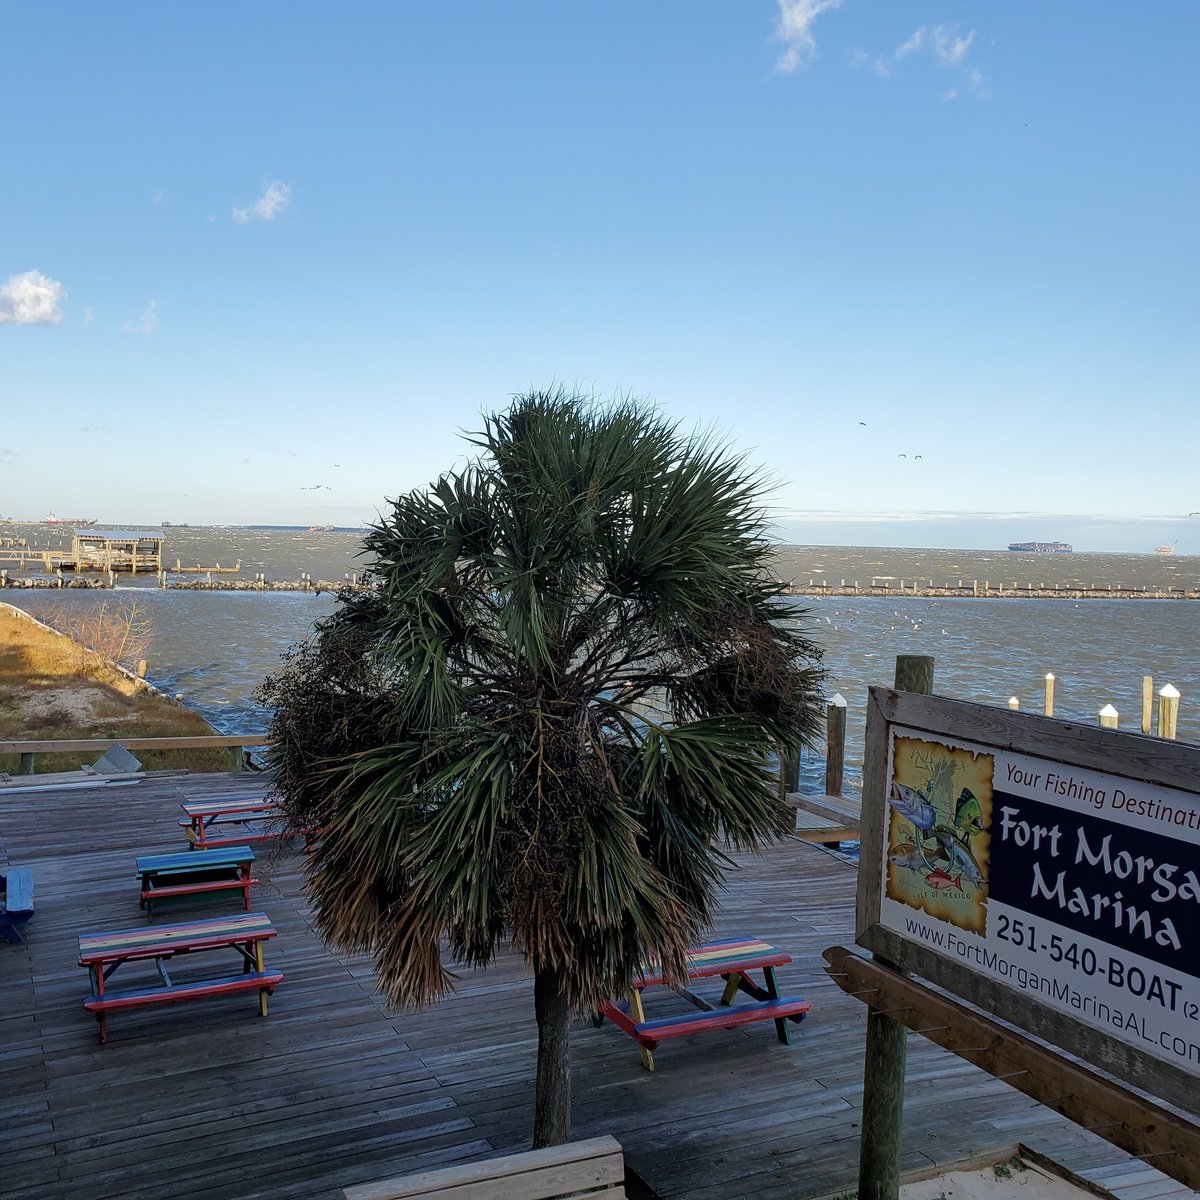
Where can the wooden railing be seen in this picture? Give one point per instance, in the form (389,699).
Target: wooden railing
(235,743)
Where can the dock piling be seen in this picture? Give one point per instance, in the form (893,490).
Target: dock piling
(1168,711)
(835,744)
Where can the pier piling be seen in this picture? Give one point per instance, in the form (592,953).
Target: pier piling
(1168,711)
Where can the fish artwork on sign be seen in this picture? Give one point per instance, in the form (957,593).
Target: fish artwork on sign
(938,879)
(913,805)
(937,850)
(910,856)
(968,815)
(957,852)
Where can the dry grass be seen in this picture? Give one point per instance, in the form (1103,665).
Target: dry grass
(51,689)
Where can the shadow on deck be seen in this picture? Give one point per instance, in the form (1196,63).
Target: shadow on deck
(209,1100)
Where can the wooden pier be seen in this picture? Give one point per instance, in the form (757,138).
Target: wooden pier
(826,820)
(209,1100)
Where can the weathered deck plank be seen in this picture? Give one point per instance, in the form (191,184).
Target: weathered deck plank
(209,1100)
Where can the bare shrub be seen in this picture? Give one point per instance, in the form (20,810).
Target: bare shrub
(120,632)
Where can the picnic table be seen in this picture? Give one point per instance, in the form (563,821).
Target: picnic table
(733,960)
(105,953)
(257,819)
(192,872)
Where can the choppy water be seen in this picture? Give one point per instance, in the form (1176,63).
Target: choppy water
(215,647)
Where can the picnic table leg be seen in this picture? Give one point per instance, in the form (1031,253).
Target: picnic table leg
(781,1025)
(262,992)
(639,1015)
(246,884)
(97,974)
(733,981)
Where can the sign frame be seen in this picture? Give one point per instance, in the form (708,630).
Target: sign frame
(1133,757)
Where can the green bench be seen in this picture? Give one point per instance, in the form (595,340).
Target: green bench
(16,902)
(194,872)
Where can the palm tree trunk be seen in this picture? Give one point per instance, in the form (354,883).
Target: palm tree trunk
(552,1103)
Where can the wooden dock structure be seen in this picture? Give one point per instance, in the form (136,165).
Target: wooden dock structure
(111,551)
(209,1100)
(825,820)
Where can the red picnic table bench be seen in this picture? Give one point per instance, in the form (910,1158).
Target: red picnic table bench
(105,953)
(255,818)
(732,959)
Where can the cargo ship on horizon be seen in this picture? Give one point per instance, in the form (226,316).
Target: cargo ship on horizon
(1042,547)
(74,522)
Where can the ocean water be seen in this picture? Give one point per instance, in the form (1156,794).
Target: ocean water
(214,648)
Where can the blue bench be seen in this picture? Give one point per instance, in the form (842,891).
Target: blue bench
(16,902)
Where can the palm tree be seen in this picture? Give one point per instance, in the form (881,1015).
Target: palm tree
(559,700)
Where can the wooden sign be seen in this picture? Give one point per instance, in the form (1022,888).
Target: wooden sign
(1046,871)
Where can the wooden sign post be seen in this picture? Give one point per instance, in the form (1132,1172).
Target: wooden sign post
(887,1040)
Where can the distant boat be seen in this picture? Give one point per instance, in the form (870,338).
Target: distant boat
(320,529)
(1042,547)
(1166,549)
(77,522)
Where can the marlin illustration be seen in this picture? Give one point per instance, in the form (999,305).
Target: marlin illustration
(957,852)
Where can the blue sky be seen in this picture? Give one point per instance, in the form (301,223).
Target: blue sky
(262,263)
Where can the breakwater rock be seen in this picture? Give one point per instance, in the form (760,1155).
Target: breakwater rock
(974,589)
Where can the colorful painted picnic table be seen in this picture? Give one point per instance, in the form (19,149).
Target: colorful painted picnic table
(732,959)
(107,952)
(255,819)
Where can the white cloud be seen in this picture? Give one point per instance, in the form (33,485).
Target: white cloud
(950,49)
(796,19)
(276,196)
(148,321)
(31,299)
(946,46)
(89,315)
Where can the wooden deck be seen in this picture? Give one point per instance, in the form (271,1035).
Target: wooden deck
(208,1100)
